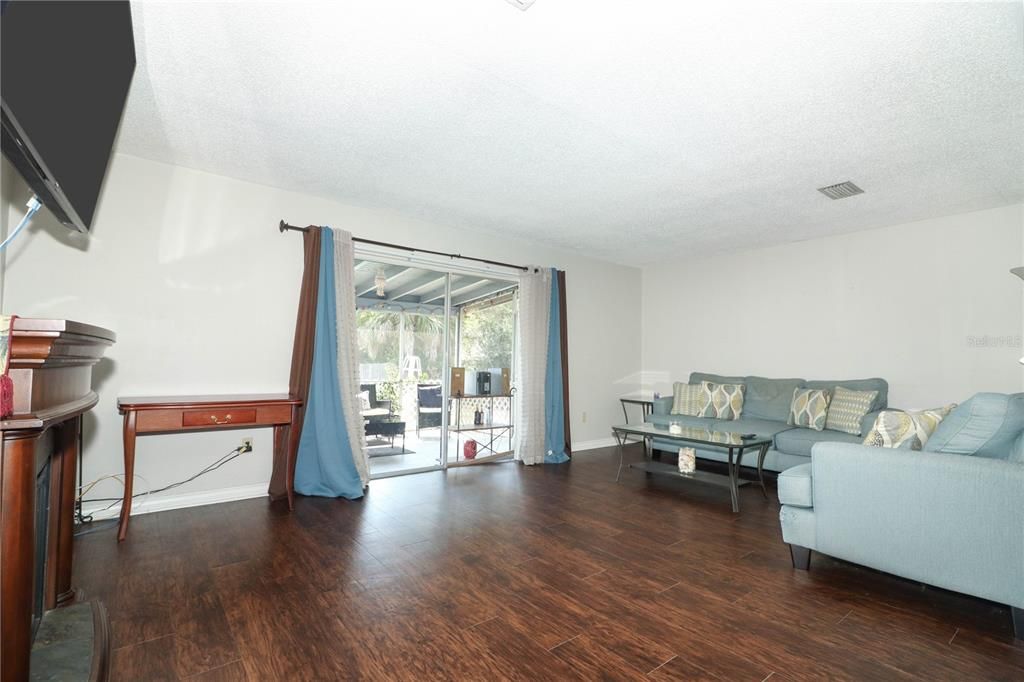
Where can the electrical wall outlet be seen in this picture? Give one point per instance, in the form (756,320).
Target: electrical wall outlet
(247,445)
(584,417)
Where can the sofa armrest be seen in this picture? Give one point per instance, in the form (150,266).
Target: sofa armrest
(794,486)
(663,405)
(947,520)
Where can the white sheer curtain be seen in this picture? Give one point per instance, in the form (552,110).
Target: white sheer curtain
(348,361)
(534,311)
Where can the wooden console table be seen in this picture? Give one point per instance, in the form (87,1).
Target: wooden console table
(172,414)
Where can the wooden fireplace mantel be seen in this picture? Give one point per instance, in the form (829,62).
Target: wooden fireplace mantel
(51,367)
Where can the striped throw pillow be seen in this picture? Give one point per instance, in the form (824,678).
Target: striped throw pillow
(687,399)
(847,409)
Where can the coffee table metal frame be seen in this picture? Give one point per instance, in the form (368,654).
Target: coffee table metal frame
(731,442)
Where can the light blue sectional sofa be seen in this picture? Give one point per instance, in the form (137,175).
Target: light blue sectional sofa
(765,411)
(951,515)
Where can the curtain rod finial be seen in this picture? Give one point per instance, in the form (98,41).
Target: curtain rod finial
(280,227)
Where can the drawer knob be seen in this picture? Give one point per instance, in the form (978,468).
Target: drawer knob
(214,419)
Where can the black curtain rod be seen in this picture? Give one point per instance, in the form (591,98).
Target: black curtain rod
(285,226)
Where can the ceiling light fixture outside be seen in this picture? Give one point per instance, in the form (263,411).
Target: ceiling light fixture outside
(841,190)
(379,281)
(521,4)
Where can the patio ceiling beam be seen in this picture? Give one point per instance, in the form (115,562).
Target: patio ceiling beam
(465,284)
(428,281)
(374,303)
(484,292)
(391,273)
(364,271)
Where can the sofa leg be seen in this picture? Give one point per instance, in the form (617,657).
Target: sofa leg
(1018,622)
(801,557)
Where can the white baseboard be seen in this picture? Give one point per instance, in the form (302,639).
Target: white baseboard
(144,505)
(593,444)
(160,503)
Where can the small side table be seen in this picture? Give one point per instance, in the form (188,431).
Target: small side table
(172,414)
(646,405)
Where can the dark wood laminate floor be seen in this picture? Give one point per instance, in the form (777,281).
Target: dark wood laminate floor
(507,572)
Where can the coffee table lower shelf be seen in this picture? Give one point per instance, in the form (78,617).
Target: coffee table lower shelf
(733,444)
(672,470)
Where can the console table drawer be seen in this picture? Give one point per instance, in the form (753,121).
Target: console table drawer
(214,417)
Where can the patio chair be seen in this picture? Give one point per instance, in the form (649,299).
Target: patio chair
(429,404)
(378,409)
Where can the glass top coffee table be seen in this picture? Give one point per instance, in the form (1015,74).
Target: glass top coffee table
(735,444)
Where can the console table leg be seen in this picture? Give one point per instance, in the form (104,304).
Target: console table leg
(129,474)
(293,451)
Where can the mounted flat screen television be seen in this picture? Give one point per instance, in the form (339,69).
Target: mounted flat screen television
(65,68)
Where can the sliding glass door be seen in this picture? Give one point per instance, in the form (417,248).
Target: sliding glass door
(402,327)
(436,357)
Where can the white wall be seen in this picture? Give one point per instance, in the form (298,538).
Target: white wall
(11,200)
(906,302)
(189,270)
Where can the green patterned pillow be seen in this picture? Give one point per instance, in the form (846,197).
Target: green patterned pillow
(847,409)
(896,429)
(809,408)
(722,401)
(688,399)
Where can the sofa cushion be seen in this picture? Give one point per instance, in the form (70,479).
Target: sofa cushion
(800,441)
(745,424)
(698,377)
(795,487)
(987,425)
(686,421)
(722,401)
(688,399)
(809,408)
(1017,455)
(662,405)
(769,398)
(881,385)
(847,409)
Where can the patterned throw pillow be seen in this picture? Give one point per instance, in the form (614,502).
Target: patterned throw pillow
(722,401)
(809,408)
(687,399)
(847,409)
(896,429)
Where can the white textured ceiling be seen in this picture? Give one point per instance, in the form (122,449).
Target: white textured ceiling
(631,131)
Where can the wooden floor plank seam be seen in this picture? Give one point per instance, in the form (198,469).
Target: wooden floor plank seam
(574,637)
(662,665)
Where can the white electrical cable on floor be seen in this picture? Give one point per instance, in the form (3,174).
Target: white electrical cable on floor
(33,205)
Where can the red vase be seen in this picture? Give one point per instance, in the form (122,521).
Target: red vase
(469,449)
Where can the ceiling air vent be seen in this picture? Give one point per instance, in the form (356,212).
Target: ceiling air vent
(841,191)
